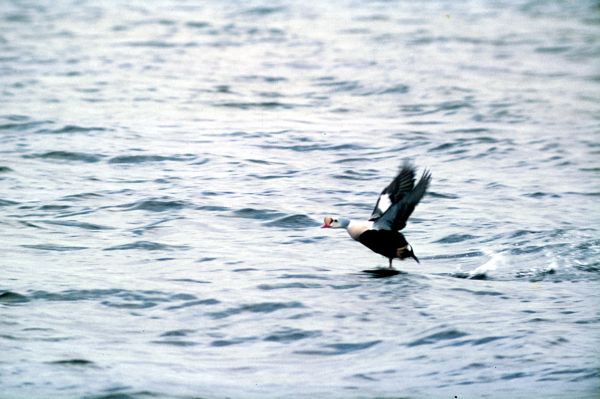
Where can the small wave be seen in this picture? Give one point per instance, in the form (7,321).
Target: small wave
(190,280)
(477,341)
(112,297)
(512,376)
(537,274)
(74,223)
(484,293)
(269,287)
(154,205)
(54,247)
(304,240)
(448,107)
(282,175)
(292,222)
(260,214)
(152,44)
(136,159)
(233,341)
(197,24)
(51,207)
(442,195)
(177,333)
(81,196)
(145,245)
(350,174)
(485,340)
(592,267)
(20,123)
(553,49)
(304,276)
(579,374)
(539,194)
(29,224)
(527,249)
(454,238)
(459,145)
(265,307)
(351,160)
(396,89)
(437,337)
(73,362)
(472,254)
(73,129)
(315,147)
(130,305)
(198,302)
(4,202)
(264,10)
(290,335)
(340,349)
(5,169)
(12,297)
(212,208)
(74,295)
(66,156)
(121,393)
(259,104)
(174,343)
(205,259)
(470,131)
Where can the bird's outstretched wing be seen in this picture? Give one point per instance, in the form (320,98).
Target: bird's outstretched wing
(398,200)
(402,184)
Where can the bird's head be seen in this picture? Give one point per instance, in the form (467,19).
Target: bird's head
(407,252)
(335,222)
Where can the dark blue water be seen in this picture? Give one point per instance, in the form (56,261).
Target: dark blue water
(165,166)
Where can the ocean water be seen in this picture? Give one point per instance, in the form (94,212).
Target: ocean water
(165,167)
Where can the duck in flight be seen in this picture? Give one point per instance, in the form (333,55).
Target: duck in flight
(381,233)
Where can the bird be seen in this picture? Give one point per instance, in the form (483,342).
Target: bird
(397,201)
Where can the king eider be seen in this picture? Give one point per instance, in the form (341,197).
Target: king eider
(393,207)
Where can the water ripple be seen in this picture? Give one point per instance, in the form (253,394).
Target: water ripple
(75,223)
(53,247)
(161,191)
(67,156)
(12,297)
(145,245)
(290,335)
(73,362)
(265,307)
(140,159)
(444,335)
(73,129)
(155,205)
(340,349)
(292,222)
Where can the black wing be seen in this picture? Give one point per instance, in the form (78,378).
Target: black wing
(398,213)
(395,191)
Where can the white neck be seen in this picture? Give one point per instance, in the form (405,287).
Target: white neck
(356,227)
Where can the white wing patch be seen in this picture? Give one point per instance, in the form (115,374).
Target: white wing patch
(384,203)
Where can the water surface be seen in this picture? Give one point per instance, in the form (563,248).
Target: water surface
(164,170)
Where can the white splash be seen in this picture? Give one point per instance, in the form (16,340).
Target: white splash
(492,264)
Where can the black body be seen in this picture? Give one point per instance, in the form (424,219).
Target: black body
(384,242)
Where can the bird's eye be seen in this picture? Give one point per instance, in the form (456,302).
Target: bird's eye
(335,220)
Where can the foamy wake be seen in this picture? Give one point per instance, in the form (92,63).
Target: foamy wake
(481,272)
(499,261)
